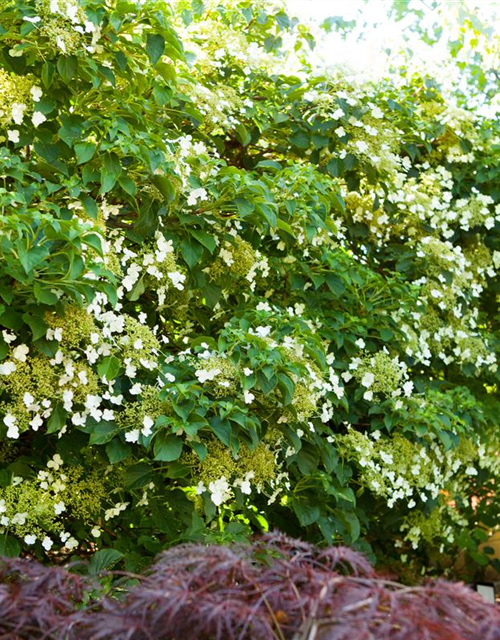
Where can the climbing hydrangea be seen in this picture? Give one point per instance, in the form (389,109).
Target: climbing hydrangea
(237,291)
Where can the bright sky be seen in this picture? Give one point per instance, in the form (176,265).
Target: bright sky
(369,57)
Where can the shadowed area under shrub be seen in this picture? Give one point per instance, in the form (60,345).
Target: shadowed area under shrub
(276,588)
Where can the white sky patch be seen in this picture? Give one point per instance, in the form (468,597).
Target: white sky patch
(379,41)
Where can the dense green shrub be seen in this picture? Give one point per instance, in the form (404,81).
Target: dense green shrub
(237,293)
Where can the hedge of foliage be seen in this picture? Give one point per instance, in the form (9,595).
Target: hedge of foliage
(236,293)
(275,589)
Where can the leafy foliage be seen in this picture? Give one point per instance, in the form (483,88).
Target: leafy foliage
(238,293)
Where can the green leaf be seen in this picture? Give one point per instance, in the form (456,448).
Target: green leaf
(110,171)
(287,387)
(103,432)
(32,258)
(242,134)
(307,512)
(116,450)
(127,184)
(36,323)
(67,68)
(137,290)
(155,46)
(191,251)
(44,295)
(57,419)
(104,560)
(300,139)
(352,523)
(206,239)
(109,367)
(165,187)
(90,206)
(84,151)
(95,241)
(167,447)
(138,475)
(48,70)
(9,546)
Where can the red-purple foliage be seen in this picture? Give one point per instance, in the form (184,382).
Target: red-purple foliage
(277,588)
(38,602)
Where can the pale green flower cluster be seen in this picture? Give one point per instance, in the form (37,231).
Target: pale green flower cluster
(221,472)
(18,97)
(38,509)
(381,375)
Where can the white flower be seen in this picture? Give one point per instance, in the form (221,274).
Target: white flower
(138,344)
(28,399)
(72,543)
(368,395)
(262,332)
(3,508)
(19,518)
(12,429)
(200,488)
(61,44)
(196,194)
(132,436)
(227,257)
(13,135)
(30,539)
(249,397)
(408,388)
(47,543)
(220,491)
(386,457)
(148,423)
(6,368)
(36,422)
(263,306)
(368,379)
(136,388)
(56,462)
(54,334)
(203,375)
(96,532)
(59,507)
(10,337)
(177,279)
(244,485)
(36,93)
(115,511)
(37,118)
(20,352)
(17,112)
(247,372)
(360,343)
(33,20)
